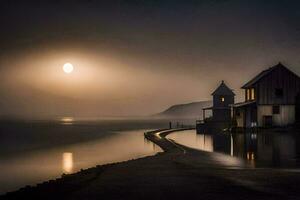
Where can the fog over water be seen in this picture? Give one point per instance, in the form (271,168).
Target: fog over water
(33,152)
(135,58)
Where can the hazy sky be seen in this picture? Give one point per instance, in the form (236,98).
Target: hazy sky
(136,57)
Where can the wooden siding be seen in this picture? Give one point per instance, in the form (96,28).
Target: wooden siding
(278,78)
(240,120)
(286,116)
(228,99)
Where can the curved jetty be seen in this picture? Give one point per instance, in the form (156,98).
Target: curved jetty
(159,137)
(177,173)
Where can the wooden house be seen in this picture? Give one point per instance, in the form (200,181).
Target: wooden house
(221,118)
(271,99)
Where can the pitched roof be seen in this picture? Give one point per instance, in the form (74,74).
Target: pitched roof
(263,74)
(223,89)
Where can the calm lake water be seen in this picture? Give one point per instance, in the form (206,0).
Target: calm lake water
(263,149)
(38,151)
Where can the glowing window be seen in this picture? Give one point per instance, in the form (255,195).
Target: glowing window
(248,94)
(252,94)
(222,99)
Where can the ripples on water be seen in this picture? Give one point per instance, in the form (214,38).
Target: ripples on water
(263,149)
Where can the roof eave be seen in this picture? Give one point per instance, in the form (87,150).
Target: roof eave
(232,94)
(247,86)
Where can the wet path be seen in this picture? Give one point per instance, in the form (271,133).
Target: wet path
(159,138)
(177,173)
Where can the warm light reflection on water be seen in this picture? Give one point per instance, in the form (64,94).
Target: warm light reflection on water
(67,120)
(44,164)
(204,142)
(67,162)
(189,138)
(263,149)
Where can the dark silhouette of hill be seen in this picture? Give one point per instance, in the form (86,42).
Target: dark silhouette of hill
(189,110)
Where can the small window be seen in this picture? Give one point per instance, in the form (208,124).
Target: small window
(222,99)
(252,94)
(279,92)
(248,94)
(276,110)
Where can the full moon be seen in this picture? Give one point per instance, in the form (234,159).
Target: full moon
(68,68)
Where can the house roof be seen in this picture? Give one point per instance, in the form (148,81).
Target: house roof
(263,74)
(241,104)
(223,89)
(216,108)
